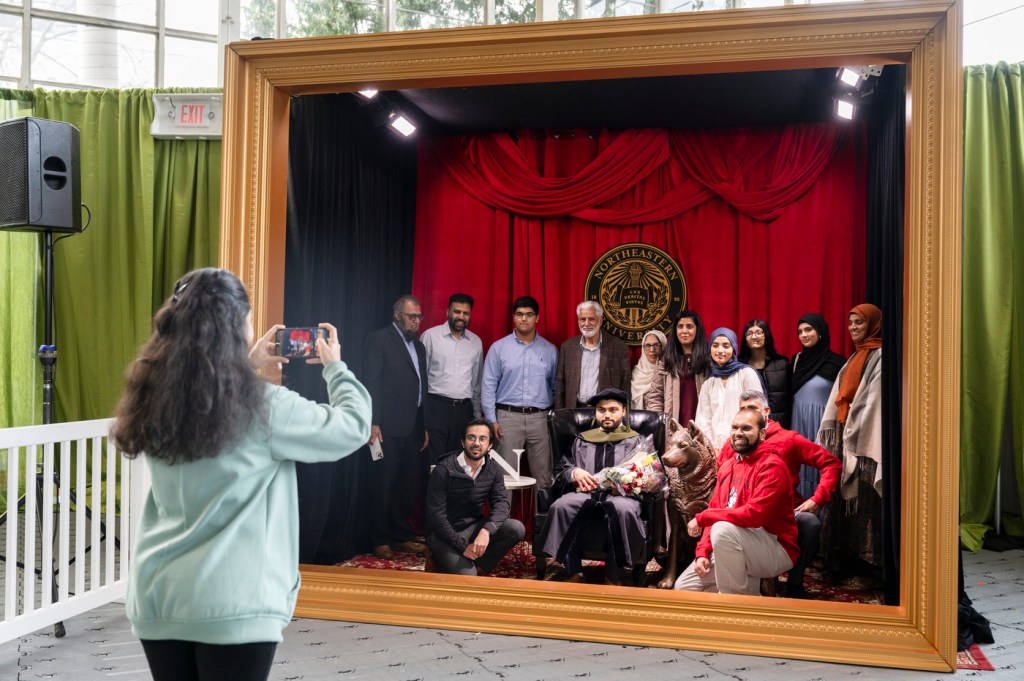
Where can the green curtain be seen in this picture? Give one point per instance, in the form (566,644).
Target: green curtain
(154,214)
(20,371)
(992,378)
(19,283)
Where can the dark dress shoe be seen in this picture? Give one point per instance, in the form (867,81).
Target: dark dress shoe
(409,547)
(383,551)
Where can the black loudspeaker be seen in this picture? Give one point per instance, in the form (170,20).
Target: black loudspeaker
(40,186)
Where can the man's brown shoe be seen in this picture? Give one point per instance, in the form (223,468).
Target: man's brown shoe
(409,547)
(577,578)
(383,551)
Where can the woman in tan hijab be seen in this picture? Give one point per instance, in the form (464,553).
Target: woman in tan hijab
(653,344)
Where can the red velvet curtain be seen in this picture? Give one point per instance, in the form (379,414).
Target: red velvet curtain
(766,223)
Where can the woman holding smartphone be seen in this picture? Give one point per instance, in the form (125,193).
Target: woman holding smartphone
(214,574)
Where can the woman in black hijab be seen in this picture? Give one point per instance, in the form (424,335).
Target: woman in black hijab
(814,371)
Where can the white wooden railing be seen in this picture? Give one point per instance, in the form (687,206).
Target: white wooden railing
(69,494)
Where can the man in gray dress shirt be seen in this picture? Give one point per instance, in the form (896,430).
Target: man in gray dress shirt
(591,362)
(518,388)
(455,358)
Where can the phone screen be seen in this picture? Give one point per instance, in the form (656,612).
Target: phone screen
(298,342)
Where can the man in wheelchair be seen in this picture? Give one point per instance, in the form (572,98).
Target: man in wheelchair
(580,500)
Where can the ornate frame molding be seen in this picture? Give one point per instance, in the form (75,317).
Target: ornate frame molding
(925,34)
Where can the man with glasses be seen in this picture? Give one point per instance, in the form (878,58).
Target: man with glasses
(518,389)
(463,539)
(395,375)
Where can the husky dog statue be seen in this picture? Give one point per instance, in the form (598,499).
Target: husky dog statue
(690,464)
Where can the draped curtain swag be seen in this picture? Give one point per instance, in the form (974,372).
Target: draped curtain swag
(766,223)
(758,172)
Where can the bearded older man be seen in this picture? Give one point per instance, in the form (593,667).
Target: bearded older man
(591,362)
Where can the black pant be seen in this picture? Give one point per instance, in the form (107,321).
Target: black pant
(808,529)
(399,480)
(191,661)
(445,421)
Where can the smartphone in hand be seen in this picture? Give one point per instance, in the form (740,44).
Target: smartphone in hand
(298,342)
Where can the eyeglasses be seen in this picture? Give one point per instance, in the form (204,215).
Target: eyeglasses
(413,317)
(754,333)
(652,346)
(525,315)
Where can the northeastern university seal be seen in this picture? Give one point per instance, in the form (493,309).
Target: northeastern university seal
(640,288)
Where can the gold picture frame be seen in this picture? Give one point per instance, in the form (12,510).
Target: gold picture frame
(925,35)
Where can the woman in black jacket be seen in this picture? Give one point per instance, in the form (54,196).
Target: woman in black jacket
(757,349)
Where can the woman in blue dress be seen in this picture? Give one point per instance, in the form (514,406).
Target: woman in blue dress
(814,371)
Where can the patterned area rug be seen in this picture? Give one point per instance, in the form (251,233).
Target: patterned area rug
(520,564)
(973,658)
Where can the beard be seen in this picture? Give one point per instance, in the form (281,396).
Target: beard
(746,448)
(614,426)
(456,324)
(590,334)
(408,334)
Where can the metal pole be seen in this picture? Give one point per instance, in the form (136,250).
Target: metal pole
(48,358)
(48,351)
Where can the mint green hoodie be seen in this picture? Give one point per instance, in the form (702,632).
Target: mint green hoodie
(216,558)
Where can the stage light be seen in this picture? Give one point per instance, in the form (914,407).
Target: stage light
(368,94)
(402,124)
(849,76)
(845,109)
(857,76)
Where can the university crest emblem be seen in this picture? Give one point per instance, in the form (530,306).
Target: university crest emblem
(640,288)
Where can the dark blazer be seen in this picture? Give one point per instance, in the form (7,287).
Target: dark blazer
(390,377)
(614,370)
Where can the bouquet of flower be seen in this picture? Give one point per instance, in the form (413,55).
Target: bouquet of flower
(641,471)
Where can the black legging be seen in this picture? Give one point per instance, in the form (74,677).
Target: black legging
(191,661)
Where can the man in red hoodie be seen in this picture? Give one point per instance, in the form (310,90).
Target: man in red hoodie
(752,532)
(797,451)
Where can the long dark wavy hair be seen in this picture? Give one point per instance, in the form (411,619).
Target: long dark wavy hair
(770,352)
(700,359)
(192,391)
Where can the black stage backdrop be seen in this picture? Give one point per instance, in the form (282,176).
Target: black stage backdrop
(884,249)
(350,236)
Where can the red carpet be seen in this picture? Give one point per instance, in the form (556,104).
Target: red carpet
(973,658)
(519,564)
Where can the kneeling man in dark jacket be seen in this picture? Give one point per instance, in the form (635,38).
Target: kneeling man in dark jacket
(462,540)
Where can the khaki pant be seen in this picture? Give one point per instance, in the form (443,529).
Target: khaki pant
(529,432)
(740,558)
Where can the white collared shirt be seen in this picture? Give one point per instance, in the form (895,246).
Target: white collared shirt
(454,365)
(461,460)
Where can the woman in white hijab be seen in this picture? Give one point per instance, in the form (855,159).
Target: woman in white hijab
(653,345)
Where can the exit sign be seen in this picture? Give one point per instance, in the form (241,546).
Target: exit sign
(194,115)
(189,115)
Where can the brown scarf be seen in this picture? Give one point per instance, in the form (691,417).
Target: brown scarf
(855,367)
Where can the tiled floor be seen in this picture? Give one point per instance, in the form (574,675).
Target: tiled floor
(100,646)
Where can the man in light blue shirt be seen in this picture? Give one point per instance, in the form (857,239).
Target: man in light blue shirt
(518,389)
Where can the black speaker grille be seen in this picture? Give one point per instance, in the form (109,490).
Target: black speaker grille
(14,173)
